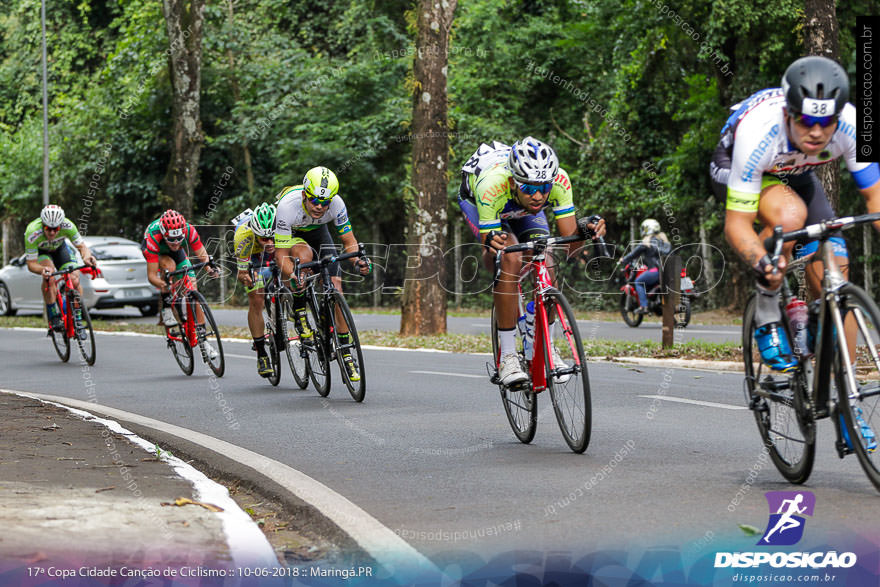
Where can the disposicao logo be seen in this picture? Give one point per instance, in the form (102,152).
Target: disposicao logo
(785,528)
(786,524)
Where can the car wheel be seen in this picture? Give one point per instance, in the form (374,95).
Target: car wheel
(149,309)
(5,302)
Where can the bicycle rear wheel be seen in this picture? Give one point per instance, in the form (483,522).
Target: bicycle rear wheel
(317,346)
(520,404)
(357,388)
(211,340)
(85,336)
(178,344)
(862,419)
(274,356)
(776,399)
(297,358)
(569,384)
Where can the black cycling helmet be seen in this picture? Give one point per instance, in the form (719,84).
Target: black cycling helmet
(815,78)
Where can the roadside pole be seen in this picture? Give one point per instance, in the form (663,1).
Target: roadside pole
(671,286)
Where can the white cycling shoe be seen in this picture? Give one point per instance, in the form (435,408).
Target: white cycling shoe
(510,371)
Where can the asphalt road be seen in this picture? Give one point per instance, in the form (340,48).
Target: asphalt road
(674,458)
(650,328)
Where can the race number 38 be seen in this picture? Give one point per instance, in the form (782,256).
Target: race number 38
(818,107)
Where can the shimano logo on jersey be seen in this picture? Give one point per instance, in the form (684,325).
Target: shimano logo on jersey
(787,560)
(755,158)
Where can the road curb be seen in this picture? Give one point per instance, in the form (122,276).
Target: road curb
(388,549)
(702,365)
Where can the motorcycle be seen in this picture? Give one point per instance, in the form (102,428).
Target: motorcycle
(629,301)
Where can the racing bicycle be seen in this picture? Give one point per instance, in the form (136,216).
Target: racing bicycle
(554,326)
(277,304)
(79,329)
(189,306)
(836,378)
(327,310)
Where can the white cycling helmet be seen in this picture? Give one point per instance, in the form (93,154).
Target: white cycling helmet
(649,227)
(531,161)
(52,216)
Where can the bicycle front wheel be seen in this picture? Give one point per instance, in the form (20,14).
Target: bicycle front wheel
(520,404)
(59,339)
(859,397)
(85,336)
(776,400)
(178,344)
(568,379)
(210,345)
(317,346)
(352,374)
(274,356)
(297,357)
(628,307)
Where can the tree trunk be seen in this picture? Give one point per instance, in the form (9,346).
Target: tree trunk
(236,96)
(821,37)
(183,21)
(424,297)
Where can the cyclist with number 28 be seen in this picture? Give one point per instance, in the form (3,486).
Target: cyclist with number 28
(255,242)
(764,166)
(45,242)
(163,249)
(504,191)
(304,211)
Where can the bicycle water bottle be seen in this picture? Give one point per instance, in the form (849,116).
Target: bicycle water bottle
(812,325)
(797,317)
(529,336)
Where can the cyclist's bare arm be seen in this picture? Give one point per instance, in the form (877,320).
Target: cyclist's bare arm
(747,244)
(350,245)
(154,278)
(203,256)
(34,266)
(86,255)
(872,200)
(568,226)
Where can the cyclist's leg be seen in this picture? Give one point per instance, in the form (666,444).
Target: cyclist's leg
(644,282)
(49,289)
(818,209)
(166,263)
(505,296)
(780,205)
(301,250)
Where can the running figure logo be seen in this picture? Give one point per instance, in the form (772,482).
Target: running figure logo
(786,524)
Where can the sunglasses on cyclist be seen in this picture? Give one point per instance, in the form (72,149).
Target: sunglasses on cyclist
(529,189)
(809,121)
(174,236)
(316,201)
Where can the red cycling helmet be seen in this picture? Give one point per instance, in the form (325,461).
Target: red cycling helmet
(172,223)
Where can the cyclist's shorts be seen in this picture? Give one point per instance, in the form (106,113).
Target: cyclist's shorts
(527,228)
(322,244)
(62,257)
(263,274)
(837,243)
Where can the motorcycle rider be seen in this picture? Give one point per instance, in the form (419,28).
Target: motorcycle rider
(654,244)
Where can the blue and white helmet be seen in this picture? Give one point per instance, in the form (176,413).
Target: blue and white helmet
(531,161)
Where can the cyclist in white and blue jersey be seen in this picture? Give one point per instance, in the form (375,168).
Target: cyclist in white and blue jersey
(764,166)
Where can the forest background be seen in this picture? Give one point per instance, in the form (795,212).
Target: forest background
(631,94)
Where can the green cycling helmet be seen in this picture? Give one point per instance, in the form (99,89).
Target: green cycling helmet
(320,183)
(263,220)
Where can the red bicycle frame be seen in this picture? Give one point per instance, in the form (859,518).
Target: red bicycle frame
(188,326)
(64,284)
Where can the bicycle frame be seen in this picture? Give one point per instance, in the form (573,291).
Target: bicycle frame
(178,296)
(63,289)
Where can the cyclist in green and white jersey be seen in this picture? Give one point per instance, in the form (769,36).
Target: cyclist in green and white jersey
(304,211)
(46,242)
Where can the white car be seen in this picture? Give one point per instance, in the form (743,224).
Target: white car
(123,281)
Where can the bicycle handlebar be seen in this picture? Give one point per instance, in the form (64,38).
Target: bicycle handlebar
(183,270)
(327,260)
(92,271)
(820,230)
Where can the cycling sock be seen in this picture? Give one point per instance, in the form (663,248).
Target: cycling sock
(767,307)
(260,346)
(507,341)
(345,338)
(299,301)
(52,309)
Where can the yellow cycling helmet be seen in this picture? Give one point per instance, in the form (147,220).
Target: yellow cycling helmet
(320,183)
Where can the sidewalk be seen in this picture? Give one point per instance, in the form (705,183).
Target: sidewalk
(81,500)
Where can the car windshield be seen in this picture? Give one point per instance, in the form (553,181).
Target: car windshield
(117,252)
